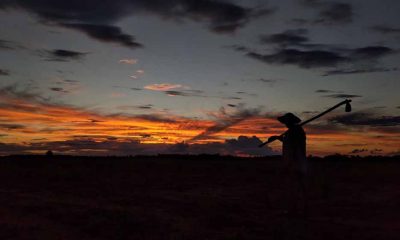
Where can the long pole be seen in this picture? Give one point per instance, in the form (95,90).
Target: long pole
(347,101)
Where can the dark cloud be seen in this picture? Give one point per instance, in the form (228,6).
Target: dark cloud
(4,72)
(4,44)
(370,52)
(13,91)
(225,120)
(366,119)
(86,145)
(188,93)
(10,45)
(294,38)
(156,118)
(96,121)
(342,96)
(176,93)
(357,151)
(66,86)
(11,126)
(317,56)
(231,105)
(231,98)
(304,59)
(185,93)
(246,93)
(288,38)
(267,80)
(69,81)
(310,112)
(322,128)
(243,146)
(336,13)
(386,29)
(270,82)
(299,21)
(329,12)
(61,55)
(145,107)
(95,19)
(358,71)
(247,146)
(58,89)
(10,148)
(324,91)
(310,3)
(238,48)
(105,33)
(129,88)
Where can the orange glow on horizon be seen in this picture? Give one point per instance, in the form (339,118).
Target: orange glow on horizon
(27,121)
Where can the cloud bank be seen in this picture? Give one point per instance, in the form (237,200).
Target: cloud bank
(97,20)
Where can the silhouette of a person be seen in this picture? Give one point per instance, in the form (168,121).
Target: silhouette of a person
(295,161)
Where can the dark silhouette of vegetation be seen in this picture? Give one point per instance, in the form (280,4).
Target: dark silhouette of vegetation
(193,197)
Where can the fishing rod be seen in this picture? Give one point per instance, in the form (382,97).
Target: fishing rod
(347,109)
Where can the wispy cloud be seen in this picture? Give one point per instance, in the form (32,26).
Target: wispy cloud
(325,58)
(58,89)
(336,94)
(66,86)
(359,71)
(162,86)
(358,150)
(339,95)
(136,107)
(366,118)
(130,61)
(62,55)
(186,93)
(105,33)
(294,37)
(137,74)
(4,72)
(10,45)
(225,120)
(11,126)
(386,29)
(329,12)
(324,91)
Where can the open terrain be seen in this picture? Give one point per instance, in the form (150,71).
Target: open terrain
(194,197)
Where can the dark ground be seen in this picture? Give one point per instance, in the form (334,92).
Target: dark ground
(200,197)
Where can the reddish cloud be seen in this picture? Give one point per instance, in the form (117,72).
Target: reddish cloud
(162,86)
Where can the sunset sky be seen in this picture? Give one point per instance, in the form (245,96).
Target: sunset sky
(127,77)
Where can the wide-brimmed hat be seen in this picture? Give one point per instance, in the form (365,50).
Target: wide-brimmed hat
(289,118)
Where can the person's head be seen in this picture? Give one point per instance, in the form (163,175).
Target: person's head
(289,119)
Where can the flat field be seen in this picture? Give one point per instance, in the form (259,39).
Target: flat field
(194,197)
